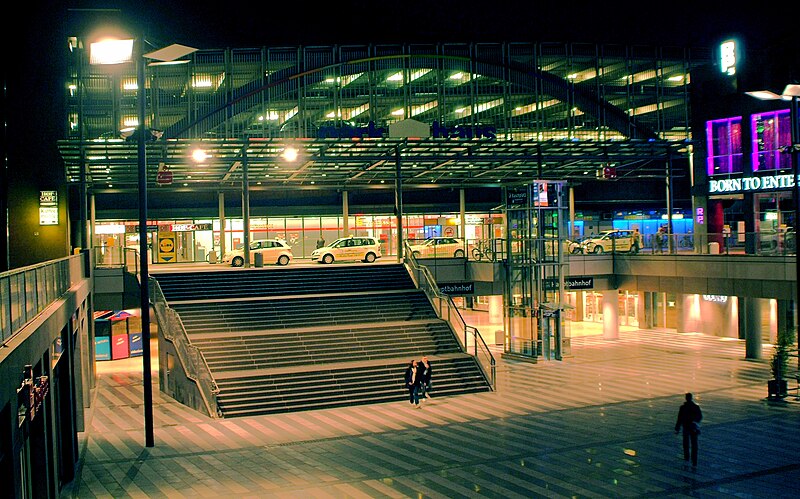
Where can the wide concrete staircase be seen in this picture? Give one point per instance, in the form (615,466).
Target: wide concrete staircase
(291,339)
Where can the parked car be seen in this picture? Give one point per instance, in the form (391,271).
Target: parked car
(608,241)
(439,247)
(366,249)
(274,251)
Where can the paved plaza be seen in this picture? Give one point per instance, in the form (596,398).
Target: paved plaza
(598,424)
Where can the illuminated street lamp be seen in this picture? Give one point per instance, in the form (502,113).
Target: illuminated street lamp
(116,51)
(791,93)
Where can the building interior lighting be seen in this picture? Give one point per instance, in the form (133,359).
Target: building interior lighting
(413,75)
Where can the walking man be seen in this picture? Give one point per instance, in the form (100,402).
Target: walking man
(689,417)
(637,240)
(658,240)
(424,368)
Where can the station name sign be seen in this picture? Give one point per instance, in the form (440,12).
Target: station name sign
(571,283)
(750,184)
(457,288)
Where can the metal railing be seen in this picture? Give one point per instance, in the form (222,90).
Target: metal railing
(190,357)
(27,291)
(763,243)
(117,256)
(468,336)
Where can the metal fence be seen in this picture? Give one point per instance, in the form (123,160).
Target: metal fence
(191,358)
(468,336)
(27,291)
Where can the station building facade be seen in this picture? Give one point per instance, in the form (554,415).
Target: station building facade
(497,114)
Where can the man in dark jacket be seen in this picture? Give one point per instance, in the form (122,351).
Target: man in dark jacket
(689,417)
(412,379)
(425,372)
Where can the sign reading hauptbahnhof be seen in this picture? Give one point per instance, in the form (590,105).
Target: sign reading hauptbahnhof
(457,288)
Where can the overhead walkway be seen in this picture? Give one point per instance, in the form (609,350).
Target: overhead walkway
(296,339)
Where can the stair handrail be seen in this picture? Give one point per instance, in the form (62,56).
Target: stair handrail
(191,358)
(423,279)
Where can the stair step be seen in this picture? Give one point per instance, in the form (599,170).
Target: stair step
(294,339)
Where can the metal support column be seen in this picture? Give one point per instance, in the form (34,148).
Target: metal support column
(671,243)
(345,214)
(462,211)
(222,243)
(144,267)
(398,202)
(246,205)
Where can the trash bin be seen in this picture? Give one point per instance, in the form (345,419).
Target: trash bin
(499,336)
(212,256)
(713,248)
(258,259)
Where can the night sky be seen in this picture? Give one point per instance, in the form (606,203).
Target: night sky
(241,24)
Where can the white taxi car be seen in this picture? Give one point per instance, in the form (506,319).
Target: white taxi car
(274,251)
(609,241)
(365,249)
(438,247)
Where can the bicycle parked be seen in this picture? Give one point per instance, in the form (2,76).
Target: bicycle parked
(483,249)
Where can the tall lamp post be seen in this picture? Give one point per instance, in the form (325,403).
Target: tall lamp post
(792,94)
(114,51)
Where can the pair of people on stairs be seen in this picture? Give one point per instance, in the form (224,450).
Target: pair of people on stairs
(417,379)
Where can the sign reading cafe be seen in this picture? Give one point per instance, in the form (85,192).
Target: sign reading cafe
(750,184)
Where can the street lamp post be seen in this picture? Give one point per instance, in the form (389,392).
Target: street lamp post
(792,94)
(116,52)
(144,271)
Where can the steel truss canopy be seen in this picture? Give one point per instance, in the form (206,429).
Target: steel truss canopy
(365,163)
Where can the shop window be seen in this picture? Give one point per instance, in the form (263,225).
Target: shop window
(771,132)
(724,146)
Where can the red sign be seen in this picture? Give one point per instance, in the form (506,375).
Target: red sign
(164,176)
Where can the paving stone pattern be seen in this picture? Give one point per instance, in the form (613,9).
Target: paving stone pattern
(599,424)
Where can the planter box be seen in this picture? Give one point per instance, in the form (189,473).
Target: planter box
(778,388)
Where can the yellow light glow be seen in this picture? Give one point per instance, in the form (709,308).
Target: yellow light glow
(290,154)
(199,155)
